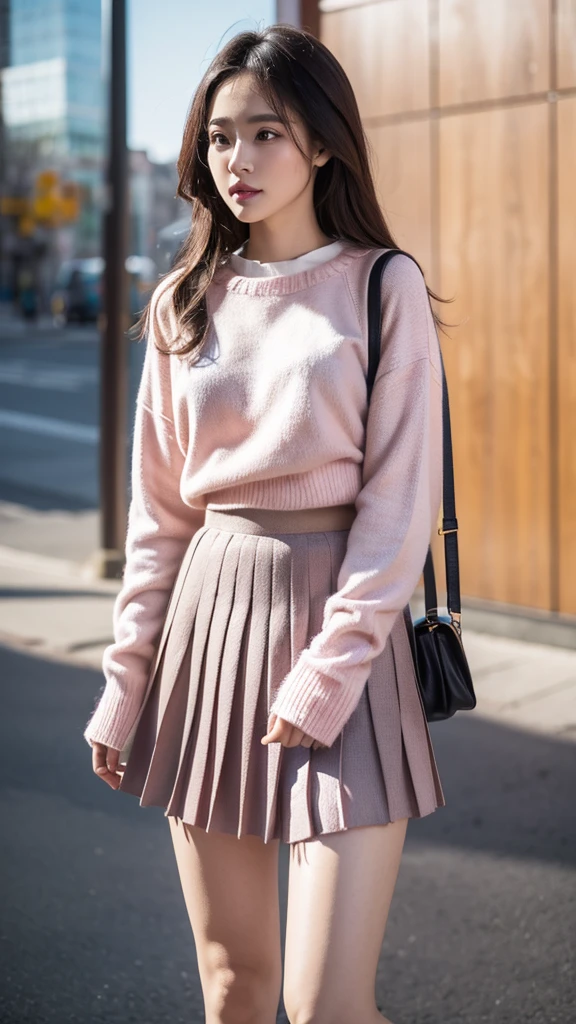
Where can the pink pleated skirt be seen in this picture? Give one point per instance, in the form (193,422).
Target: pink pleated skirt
(249,596)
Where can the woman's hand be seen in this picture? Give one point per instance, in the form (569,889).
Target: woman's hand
(281,731)
(105,764)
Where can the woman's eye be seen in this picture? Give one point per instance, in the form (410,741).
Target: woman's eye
(218,139)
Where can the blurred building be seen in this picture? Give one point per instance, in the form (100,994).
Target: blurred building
(470,111)
(53,106)
(52,79)
(153,202)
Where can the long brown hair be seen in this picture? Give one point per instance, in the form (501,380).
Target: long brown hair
(296,74)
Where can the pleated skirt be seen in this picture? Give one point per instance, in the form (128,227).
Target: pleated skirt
(249,596)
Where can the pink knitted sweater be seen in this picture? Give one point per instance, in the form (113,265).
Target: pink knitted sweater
(274,415)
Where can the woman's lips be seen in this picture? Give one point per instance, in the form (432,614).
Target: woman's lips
(248,194)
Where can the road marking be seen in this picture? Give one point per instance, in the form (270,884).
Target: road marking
(48,378)
(49,427)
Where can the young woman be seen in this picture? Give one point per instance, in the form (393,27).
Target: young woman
(260,686)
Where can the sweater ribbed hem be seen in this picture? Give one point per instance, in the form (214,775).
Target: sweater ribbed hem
(315,703)
(331,484)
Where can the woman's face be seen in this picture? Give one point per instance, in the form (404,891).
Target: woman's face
(249,144)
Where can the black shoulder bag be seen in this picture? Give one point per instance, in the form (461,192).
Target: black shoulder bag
(440,662)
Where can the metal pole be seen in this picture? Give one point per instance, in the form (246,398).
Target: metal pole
(114,371)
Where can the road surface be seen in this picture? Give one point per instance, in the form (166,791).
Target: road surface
(49,436)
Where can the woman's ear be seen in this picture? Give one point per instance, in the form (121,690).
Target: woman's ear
(321,156)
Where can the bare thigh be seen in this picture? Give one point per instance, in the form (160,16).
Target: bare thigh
(230,887)
(340,890)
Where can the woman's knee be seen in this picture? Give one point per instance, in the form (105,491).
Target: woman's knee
(238,993)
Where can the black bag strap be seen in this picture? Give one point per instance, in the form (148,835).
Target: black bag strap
(449,527)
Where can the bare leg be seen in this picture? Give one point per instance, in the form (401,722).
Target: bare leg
(230,886)
(340,890)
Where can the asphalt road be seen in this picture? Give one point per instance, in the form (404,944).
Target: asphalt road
(49,411)
(94,930)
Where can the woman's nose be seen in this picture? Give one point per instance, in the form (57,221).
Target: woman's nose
(240,159)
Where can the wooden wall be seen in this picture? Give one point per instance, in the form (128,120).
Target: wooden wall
(470,110)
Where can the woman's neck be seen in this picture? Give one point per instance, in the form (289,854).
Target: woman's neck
(274,248)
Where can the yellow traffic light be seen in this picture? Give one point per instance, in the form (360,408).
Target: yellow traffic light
(14,206)
(47,181)
(54,202)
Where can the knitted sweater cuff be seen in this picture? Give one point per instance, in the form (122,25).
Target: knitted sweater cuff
(315,703)
(113,718)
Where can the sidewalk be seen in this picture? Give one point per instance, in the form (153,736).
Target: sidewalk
(52,608)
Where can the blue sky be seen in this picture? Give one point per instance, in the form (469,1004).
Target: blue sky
(170,45)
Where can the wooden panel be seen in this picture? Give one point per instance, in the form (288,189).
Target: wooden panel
(494,259)
(492,48)
(566,43)
(383,47)
(401,162)
(567,351)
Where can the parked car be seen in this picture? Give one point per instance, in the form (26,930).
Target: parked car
(170,241)
(78,289)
